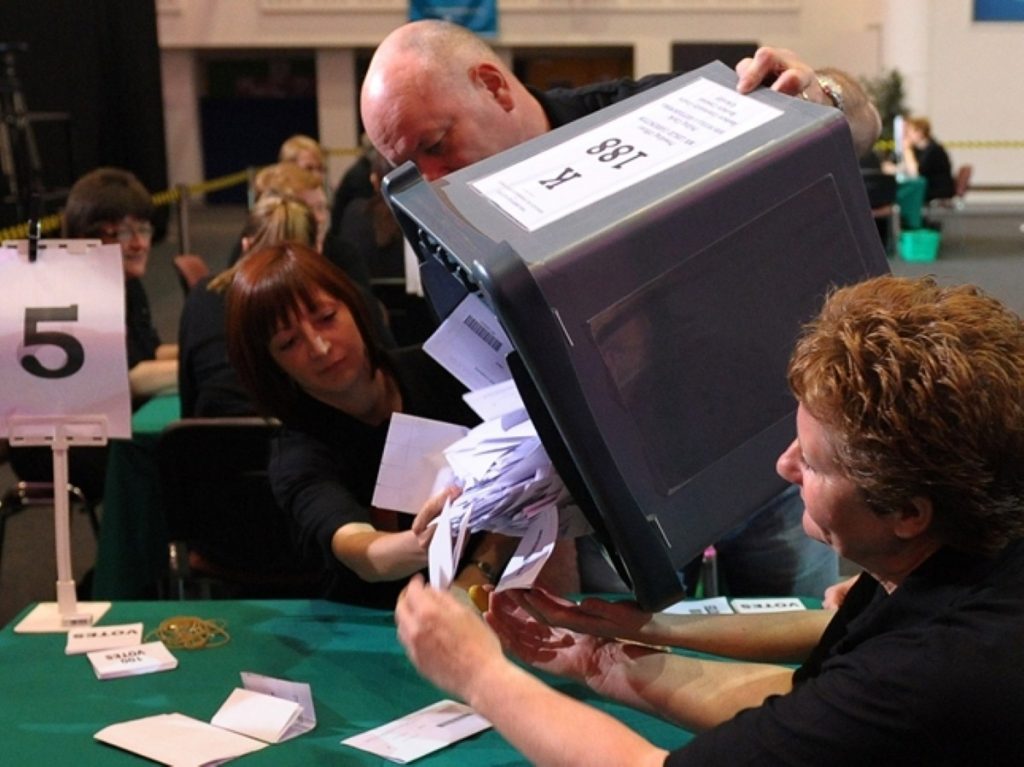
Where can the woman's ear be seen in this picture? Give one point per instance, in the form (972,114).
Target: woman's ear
(246,244)
(914,519)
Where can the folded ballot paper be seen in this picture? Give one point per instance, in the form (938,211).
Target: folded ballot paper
(264,711)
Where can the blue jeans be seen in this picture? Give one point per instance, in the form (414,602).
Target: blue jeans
(771,555)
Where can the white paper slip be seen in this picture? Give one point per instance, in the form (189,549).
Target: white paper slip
(421,732)
(767,605)
(259,716)
(178,740)
(471,345)
(92,638)
(714,606)
(296,692)
(128,661)
(533,551)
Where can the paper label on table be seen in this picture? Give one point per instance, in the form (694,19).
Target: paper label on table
(714,606)
(259,716)
(471,345)
(178,740)
(62,337)
(299,693)
(421,732)
(129,661)
(768,605)
(622,152)
(92,638)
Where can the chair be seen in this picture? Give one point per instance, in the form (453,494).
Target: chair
(881,188)
(227,538)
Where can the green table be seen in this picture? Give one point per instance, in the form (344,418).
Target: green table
(131,554)
(53,704)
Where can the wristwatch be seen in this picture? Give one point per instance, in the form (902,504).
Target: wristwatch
(832,89)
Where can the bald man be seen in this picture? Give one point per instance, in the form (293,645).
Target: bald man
(439,96)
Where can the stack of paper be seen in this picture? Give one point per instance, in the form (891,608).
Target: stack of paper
(129,661)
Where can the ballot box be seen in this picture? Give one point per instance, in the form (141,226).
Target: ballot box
(652,265)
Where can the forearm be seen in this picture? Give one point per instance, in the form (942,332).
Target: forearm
(151,377)
(865,122)
(550,728)
(375,555)
(167,352)
(770,637)
(696,694)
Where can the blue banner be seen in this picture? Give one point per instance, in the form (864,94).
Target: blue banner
(480,16)
(999,10)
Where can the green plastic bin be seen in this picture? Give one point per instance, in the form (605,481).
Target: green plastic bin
(920,244)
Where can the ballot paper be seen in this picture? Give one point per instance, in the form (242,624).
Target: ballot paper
(533,551)
(119,662)
(177,740)
(471,345)
(91,638)
(421,732)
(713,606)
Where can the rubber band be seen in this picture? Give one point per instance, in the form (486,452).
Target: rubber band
(186,632)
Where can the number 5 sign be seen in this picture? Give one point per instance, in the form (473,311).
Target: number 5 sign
(62,338)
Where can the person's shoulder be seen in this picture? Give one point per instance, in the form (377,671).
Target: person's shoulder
(563,105)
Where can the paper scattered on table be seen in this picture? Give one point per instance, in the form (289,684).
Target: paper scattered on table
(714,606)
(259,716)
(299,693)
(421,732)
(724,606)
(178,740)
(767,605)
(145,658)
(92,638)
(471,345)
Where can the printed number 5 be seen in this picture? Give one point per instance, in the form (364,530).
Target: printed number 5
(64,341)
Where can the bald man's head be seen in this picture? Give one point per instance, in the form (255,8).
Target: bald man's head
(438,95)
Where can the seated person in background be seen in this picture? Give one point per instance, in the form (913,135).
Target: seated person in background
(926,158)
(910,458)
(207,383)
(370,232)
(355,183)
(112,205)
(301,341)
(305,152)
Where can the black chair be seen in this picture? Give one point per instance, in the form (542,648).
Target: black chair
(881,189)
(227,538)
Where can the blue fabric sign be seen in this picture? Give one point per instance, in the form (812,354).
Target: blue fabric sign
(480,16)
(999,10)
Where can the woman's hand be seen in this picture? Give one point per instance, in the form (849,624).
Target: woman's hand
(421,524)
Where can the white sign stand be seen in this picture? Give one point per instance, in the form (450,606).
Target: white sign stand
(60,432)
(63,378)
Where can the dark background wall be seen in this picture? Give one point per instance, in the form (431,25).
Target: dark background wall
(97,60)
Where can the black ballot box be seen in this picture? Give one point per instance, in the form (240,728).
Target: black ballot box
(652,264)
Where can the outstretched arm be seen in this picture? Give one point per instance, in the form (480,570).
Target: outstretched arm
(695,693)
(769,637)
(787,73)
(455,650)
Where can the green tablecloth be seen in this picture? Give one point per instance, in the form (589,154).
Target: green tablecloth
(53,704)
(132,551)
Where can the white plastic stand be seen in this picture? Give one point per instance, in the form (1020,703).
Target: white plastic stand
(59,433)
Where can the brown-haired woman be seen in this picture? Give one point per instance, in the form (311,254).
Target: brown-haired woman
(300,339)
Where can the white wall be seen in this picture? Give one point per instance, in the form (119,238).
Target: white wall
(961,74)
